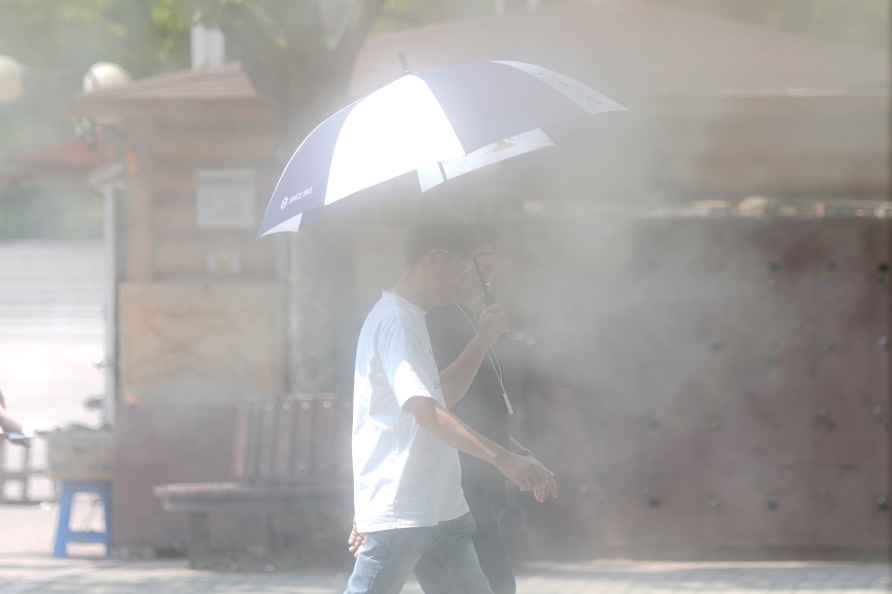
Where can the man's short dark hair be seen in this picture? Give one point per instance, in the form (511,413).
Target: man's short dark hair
(449,235)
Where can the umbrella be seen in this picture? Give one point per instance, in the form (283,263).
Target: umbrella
(440,124)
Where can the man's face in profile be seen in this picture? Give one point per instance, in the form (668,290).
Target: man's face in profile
(451,273)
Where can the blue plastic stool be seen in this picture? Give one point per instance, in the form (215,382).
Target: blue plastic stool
(64,533)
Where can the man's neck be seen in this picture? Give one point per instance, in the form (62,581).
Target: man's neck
(406,289)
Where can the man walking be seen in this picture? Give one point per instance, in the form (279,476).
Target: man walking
(487,408)
(408,497)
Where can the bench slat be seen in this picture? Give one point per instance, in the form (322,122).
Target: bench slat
(304,425)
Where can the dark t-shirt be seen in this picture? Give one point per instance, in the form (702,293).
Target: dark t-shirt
(483,408)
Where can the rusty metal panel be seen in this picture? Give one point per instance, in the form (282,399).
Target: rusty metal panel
(720,384)
(851,509)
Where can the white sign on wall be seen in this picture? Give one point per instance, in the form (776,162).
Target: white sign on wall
(226,199)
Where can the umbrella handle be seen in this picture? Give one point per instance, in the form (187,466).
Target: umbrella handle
(487,296)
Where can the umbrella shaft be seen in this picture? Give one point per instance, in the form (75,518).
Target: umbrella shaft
(487,297)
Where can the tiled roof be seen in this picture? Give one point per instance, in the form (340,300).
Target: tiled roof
(73,155)
(61,160)
(226,83)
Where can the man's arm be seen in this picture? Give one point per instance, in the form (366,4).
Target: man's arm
(526,473)
(519,447)
(7,423)
(446,426)
(457,378)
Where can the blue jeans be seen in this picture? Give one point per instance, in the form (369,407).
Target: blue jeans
(442,556)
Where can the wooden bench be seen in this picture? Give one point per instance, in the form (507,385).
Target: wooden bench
(287,452)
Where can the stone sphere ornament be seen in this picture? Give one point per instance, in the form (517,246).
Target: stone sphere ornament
(104,75)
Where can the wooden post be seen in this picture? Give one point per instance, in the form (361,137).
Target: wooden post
(240,462)
(199,537)
(273,537)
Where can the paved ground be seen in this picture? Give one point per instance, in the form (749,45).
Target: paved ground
(26,568)
(29,574)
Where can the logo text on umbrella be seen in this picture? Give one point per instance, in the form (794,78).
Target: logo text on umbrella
(287,200)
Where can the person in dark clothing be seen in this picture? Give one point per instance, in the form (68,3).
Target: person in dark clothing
(487,408)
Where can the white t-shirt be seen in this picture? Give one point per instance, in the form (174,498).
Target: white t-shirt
(403,476)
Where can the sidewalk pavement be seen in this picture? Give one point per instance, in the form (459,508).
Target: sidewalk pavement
(27,575)
(27,568)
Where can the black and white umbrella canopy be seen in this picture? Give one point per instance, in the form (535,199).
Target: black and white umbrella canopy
(440,124)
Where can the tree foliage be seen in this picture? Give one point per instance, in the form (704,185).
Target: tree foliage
(148,36)
(278,41)
(67,36)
